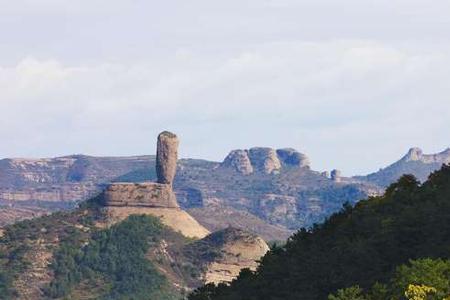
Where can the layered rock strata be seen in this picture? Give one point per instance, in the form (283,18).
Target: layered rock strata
(147,194)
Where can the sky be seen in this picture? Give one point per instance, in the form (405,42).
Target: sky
(351,83)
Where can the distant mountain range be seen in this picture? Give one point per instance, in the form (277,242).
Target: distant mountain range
(270,192)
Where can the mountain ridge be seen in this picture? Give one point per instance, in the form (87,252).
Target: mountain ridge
(277,187)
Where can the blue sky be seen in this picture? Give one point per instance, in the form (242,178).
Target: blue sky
(353,83)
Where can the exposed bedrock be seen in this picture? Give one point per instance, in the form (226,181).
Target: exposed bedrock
(292,157)
(166,157)
(239,160)
(148,194)
(264,160)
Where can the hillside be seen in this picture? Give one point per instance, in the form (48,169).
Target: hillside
(133,241)
(367,247)
(80,256)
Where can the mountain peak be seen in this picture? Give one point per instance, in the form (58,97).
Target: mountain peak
(416,154)
(266,160)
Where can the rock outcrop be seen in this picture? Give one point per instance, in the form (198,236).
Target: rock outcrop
(154,198)
(166,157)
(292,157)
(147,194)
(238,250)
(414,162)
(416,154)
(336,175)
(239,161)
(264,160)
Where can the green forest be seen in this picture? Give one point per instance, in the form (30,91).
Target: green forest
(395,246)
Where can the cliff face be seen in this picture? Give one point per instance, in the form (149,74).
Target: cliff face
(71,178)
(146,194)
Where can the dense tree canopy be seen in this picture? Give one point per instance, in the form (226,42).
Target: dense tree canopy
(358,248)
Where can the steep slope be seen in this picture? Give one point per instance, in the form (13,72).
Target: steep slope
(361,246)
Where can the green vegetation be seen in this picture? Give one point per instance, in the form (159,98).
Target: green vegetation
(113,258)
(17,241)
(423,279)
(355,253)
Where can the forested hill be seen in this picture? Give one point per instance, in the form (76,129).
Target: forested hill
(387,247)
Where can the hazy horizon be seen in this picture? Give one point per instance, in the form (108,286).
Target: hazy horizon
(353,84)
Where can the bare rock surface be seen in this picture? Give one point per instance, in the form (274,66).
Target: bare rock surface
(175,218)
(166,157)
(292,157)
(239,161)
(416,154)
(413,162)
(264,159)
(336,175)
(238,250)
(146,194)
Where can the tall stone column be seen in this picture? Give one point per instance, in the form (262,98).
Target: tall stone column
(166,157)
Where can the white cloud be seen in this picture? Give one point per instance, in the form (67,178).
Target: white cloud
(353,84)
(330,98)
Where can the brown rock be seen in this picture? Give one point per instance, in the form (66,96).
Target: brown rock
(239,160)
(148,194)
(264,160)
(166,157)
(239,249)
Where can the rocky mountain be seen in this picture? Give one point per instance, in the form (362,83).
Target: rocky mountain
(270,191)
(414,162)
(133,241)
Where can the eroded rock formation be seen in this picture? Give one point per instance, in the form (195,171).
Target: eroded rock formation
(292,157)
(336,175)
(147,194)
(239,160)
(238,249)
(154,198)
(416,154)
(166,157)
(264,160)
